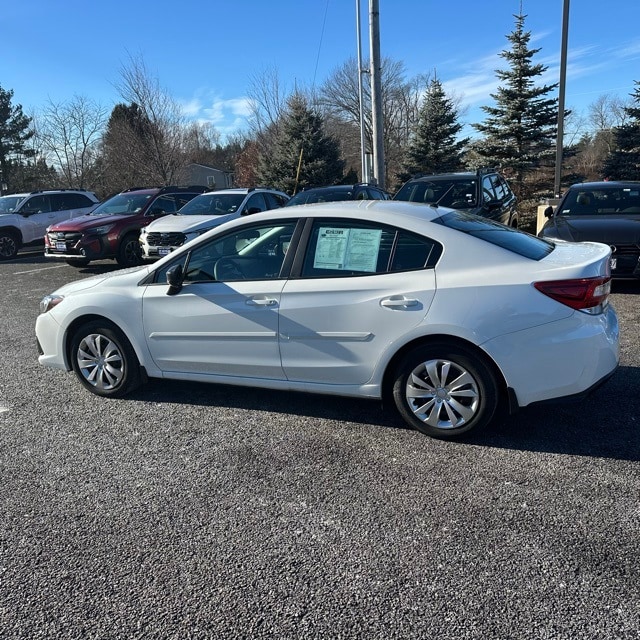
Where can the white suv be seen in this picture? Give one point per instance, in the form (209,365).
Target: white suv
(24,217)
(204,212)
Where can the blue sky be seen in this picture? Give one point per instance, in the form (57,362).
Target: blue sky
(205,54)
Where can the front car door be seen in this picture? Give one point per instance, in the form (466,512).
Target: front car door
(224,320)
(359,287)
(37,217)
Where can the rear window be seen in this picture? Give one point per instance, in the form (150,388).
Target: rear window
(498,234)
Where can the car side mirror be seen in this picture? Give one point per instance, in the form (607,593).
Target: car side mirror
(548,212)
(250,210)
(491,205)
(175,278)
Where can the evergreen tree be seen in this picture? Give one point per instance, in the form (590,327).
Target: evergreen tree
(14,133)
(520,130)
(302,155)
(623,163)
(434,147)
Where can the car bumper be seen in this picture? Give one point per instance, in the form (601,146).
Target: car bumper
(558,360)
(50,339)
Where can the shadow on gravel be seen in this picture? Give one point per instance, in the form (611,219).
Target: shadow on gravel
(605,425)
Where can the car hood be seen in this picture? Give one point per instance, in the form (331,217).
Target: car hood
(610,229)
(186,224)
(86,221)
(133,273)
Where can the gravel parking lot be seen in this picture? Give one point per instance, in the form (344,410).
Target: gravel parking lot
(202,511)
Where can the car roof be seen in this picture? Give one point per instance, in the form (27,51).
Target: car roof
(337,187)
(385,211)
(604,184)
(446,176)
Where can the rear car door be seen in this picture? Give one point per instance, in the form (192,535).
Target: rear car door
(359,287)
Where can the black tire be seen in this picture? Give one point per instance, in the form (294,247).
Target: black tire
(445,390)
(129,251)
(78,264)
(104,360)
(9,245)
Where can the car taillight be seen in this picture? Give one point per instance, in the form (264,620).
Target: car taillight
(584,294)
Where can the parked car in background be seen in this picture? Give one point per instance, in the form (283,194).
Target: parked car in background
(112,229)
(450,316)
(24,217)
(607,212)
(484,192)
(338,192)
(204,212)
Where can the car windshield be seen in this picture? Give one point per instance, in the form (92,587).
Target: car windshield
(454,193)
(328,195)
(601,201)
(9,203)
(213,204)
(122,204)
(496,233)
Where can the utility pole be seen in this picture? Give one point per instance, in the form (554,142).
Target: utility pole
(561,92)
(376,94)
(364,176)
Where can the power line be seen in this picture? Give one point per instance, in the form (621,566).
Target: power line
(324,22)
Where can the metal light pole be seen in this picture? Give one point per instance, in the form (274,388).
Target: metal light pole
(376,93)
(561,91)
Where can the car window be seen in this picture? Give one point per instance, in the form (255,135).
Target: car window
(122,204)
(256,201)
(182,199)
(598,201)
(455,193)
(9,203)
(499,188)
(253,252)
(488,193)
(163,204)
(37,204)
(274,200)
(498,234)
(351,248)
(374,194)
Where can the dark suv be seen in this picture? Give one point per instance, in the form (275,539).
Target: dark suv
(338,192)
(112,229)
(484,192)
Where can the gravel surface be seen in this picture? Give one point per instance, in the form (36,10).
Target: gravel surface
(202,511)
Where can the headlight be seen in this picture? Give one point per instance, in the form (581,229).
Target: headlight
(100,231)
(48,302)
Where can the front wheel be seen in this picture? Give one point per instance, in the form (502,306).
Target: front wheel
(9,245)
(129,253)
(104,360)
(445,390)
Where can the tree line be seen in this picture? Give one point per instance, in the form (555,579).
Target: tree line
(311,137)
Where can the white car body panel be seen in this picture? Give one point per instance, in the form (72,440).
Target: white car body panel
(303,333)
(215,328)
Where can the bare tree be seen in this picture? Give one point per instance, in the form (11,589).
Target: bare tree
(400,103)
(67,137)
(155,151)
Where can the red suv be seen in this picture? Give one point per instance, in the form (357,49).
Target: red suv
(112,229)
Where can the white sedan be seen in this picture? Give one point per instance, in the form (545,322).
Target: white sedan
(453,316)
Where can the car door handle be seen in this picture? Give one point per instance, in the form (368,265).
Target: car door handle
(399,301)
(262,302)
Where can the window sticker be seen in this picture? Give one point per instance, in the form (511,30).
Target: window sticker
(347,249)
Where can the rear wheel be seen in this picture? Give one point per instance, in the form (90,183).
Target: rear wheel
(129,252)
(9,245)
(445,390)
(104,360)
